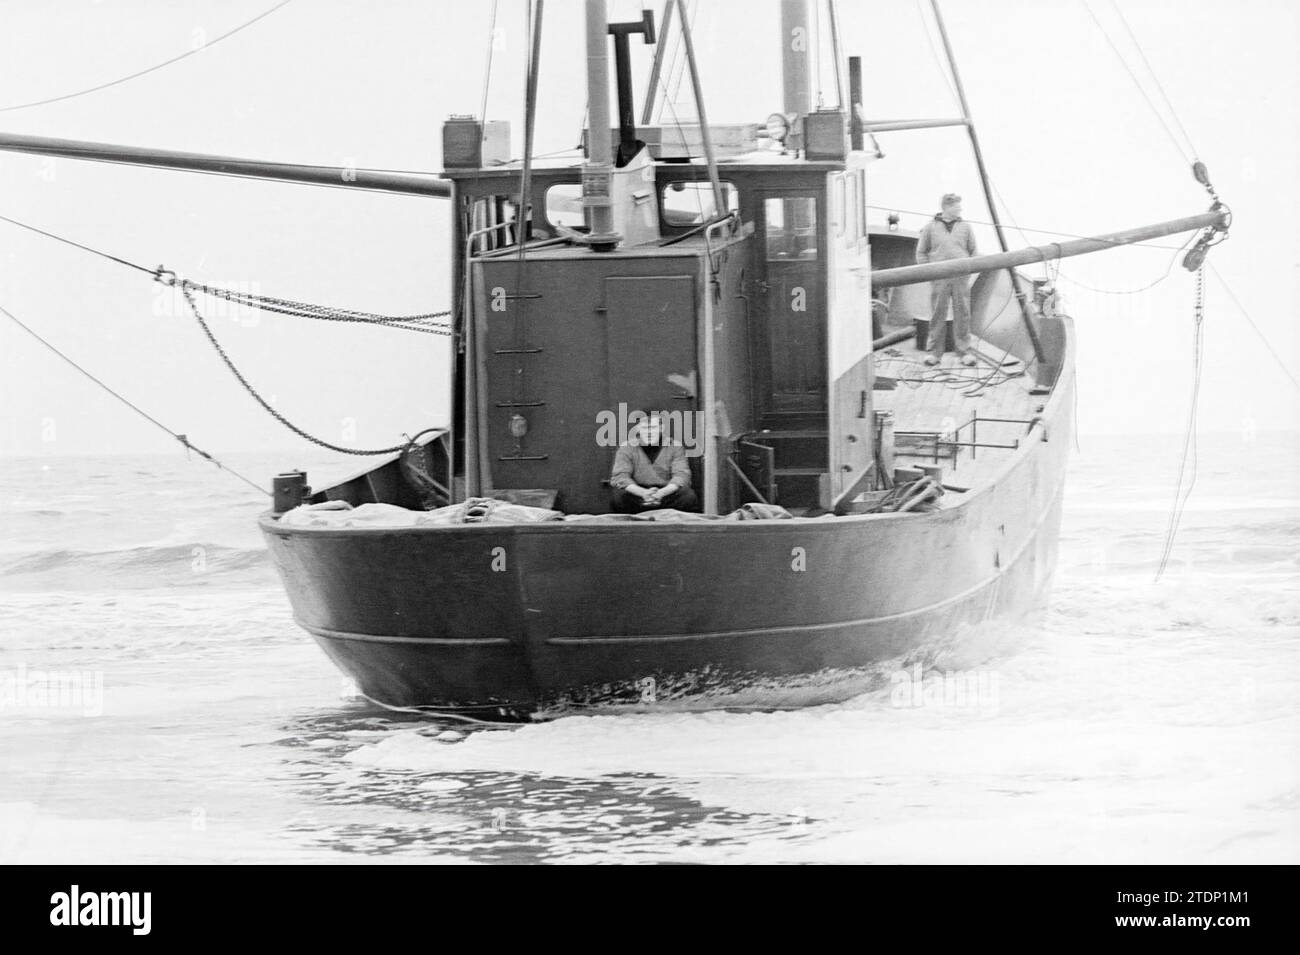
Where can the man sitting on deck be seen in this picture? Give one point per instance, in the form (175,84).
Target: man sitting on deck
(945,237)
(649,473)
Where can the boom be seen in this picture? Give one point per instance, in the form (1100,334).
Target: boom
(345,177)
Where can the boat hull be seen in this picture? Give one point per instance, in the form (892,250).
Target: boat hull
(510,620)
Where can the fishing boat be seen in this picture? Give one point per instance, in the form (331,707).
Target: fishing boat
(856,505)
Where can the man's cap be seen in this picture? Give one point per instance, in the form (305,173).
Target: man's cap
(949,198)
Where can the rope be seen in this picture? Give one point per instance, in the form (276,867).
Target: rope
(185,441)
(185,288)
(139,73)
(1189,441)
(922,493)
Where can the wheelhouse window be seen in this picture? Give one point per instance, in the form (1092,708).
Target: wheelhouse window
(564,205)
(791,228)
(688,204)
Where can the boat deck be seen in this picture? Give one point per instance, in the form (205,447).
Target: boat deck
(968,419)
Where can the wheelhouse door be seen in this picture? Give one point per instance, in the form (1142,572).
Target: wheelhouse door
(794,301)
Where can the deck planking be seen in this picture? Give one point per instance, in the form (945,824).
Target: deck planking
(934,400)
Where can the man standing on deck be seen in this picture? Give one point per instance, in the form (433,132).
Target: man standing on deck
(946,237)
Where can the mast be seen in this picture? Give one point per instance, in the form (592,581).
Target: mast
(530,116)
(836,56)
(343,177)
(795,72)
(984,176)
(1216,219)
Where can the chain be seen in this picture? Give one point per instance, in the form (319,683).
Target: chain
(187,290)
(427,323)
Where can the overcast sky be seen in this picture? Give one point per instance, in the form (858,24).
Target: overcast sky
(1070,143)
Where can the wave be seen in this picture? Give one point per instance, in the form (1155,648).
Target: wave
(14,511)
(137,566)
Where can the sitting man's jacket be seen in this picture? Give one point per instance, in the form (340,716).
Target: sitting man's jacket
(941,241)
(633,466)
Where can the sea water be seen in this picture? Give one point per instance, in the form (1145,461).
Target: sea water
(158,704)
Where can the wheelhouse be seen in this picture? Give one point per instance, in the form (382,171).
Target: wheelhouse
(743,328)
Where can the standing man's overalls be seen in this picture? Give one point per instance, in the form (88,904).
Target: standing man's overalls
(948,236)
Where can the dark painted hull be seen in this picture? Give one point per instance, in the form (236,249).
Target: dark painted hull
(512,619)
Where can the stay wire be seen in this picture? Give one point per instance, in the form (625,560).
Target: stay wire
(77,245)
(185,441)
(934,52)
(1138,83)
(1155,78)
(487,68)
(139,73)
(1250,321)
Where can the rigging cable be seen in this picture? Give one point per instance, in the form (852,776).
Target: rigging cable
(1181,494)
(678,67)
(185,441)
(1155,78)
(487,68)
(1246,315)
(76,245)
(1196,256)
(934,52)
(427,323)
(1138,83)
(281,306)
(155,67)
